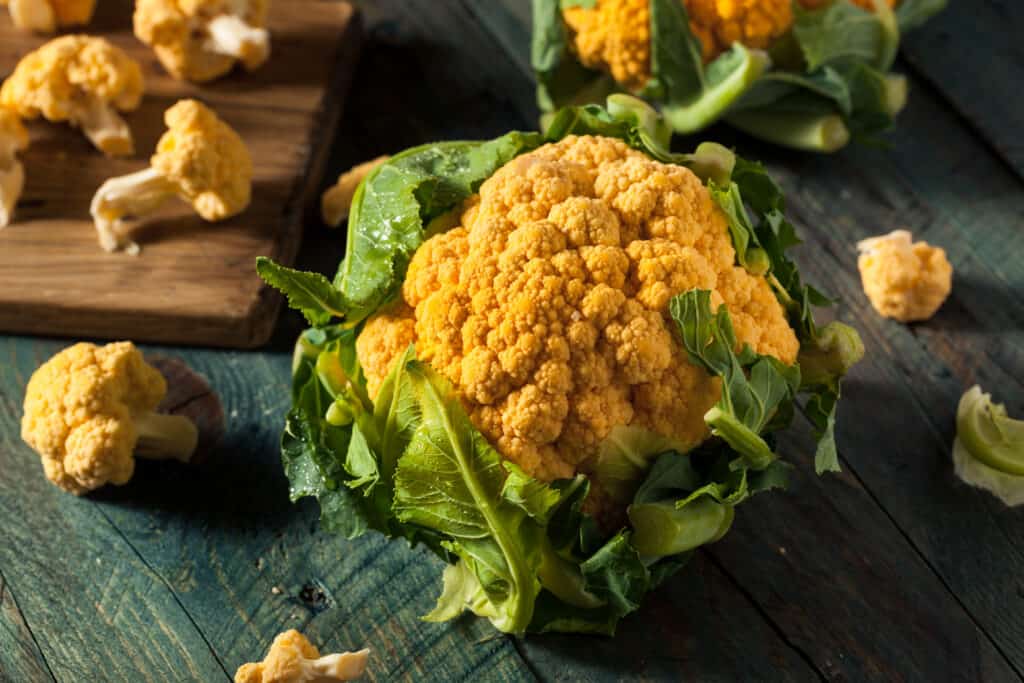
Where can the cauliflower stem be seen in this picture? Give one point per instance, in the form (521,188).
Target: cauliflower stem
(136,194)
(229,35)
(165,437)
(104,127)
(811,132)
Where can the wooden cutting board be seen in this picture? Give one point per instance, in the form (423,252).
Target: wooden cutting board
(194,282)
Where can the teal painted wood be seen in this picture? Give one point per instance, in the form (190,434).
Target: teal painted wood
(206,564)
(698,627)
(940,183)
(892,569)
(972,54)
(20,658)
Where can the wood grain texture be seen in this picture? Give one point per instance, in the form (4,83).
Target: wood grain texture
(972,54)
(891,571)
(194,282)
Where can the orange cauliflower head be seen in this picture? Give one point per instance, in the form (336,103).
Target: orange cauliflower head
(293,659)
(82,80)
(904,280)
(88,408)
(200,40)
(547,306)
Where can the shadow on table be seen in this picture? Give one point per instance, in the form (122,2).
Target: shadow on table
(240,487)
(971,292)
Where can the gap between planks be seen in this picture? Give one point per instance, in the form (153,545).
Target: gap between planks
(923,79)
(5,587)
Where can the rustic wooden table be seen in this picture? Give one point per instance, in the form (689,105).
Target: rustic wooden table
(892,570)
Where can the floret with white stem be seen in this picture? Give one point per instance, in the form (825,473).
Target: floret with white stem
(200,159)
(82,80)
(200,40)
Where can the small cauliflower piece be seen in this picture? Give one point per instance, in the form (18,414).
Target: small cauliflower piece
(336,201)
(46,16)
(200,159)
(90,408)
(904,280)
(200,40)
(13,139)
(82,80)
(293,659)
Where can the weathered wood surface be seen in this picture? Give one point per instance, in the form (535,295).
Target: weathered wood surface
(892,570)
(972,54)
(193,281)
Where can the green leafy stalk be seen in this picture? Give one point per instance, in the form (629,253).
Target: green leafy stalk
(810,132)
(747,404)
(452,481)
(310,293)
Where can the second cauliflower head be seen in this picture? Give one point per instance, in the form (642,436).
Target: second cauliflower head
(82,80)
(614,35)
(547,306)
(200,40)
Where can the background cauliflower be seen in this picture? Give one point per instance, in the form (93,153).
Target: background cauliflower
(82,80)
(200,40)
(547,306)
(904,280)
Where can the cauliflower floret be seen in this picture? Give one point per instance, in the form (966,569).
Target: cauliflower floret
(45,16)
(717,24)
(547,307)
(89,408)
(904,280)
(200,159)
(293,659)
(200,40)
(82,80)
(13,139)
(337,200)
(615,35)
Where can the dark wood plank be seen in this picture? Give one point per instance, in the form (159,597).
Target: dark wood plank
(20,658)
(898,421)
(697,627)
(194,282)
(837,577)
(972,54)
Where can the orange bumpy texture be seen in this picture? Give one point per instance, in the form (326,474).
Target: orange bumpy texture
(615,36)
(547,307)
